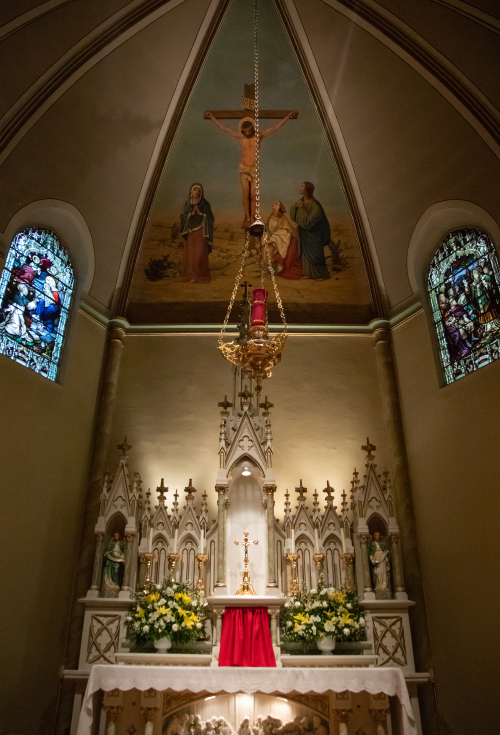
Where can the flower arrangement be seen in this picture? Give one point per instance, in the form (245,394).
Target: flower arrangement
(323,611)
(168,610)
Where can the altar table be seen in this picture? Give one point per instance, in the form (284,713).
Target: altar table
(231,680)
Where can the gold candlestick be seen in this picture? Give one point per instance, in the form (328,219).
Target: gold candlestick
(147,557)
(172,561)
(348,564)
(201,563)
(294,587)
(319,559)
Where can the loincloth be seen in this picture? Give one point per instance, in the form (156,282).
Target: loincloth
(248,172)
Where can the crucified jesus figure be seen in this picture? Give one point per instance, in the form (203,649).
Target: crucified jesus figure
(246,138)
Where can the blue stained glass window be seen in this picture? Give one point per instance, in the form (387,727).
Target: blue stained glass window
(464,290)
(35,294)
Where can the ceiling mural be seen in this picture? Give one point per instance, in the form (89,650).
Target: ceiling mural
(193,240)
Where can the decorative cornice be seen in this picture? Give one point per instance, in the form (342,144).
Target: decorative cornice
(471,13)
(30,16)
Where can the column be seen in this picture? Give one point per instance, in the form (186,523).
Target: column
(348,562)
(271,541)
(397,562)
(111,718)
(367,581)
(274,627)
(102,437)
(97,570)
(342,716)
(128,559)
(380,716)
(402,488)
(222,505)
(149,715)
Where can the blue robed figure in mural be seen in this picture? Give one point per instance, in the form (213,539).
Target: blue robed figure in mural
(314,233)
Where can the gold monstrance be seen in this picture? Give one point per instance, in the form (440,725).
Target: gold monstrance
(245,587)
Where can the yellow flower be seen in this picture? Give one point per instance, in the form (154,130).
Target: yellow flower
(301,618)
(346,618)
(338,596)
(152,597)
(139,613)
(182,597)
(164,610)
(190,618)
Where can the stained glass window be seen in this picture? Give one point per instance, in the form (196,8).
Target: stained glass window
(464,290)
(35,294)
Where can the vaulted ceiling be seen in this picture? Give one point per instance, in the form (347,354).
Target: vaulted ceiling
(91,89)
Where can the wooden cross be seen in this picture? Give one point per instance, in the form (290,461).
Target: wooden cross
(328,490)
(246,543)
(246,394)
(248,109)
(225,404)
(368,448)
(162,489)
(266,405)
(124,447)
(301,490)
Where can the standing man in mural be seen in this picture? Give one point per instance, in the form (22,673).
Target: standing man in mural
(246,138)
(314,233)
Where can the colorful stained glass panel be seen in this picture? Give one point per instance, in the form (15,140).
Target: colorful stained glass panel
(464,290)
(35,294)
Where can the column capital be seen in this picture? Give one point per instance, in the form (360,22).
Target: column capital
(149,712)
(364,537)
(342,715)
(112,711)
(117,334)
(99,535)
(379,715)
(221,489)
(269,488)
(394,537)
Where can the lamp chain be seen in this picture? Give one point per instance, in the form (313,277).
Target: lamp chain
(256,114)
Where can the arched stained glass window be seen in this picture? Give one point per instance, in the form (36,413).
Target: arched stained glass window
(464,290)
(35,293)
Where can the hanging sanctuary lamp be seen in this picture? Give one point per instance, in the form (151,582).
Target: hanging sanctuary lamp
(255,350)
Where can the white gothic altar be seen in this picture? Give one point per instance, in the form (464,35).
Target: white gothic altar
(367,688)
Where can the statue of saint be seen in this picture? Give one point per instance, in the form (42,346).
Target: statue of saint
(378,553)
(114,556)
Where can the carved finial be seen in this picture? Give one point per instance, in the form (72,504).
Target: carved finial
(124,447)
(368,447)
(287,504)
(316,513)
(162,490)
(225,404)
(175,509)
(266,405)
(354,481)
(301,490)
(245,394)
(190,490)
(328,490)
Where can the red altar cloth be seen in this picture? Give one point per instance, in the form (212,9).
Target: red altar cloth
(245,638)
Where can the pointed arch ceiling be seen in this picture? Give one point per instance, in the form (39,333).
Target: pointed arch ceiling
(173,283)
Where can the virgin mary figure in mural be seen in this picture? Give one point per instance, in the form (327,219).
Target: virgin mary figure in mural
(314,233)
(197,229)
(282,244)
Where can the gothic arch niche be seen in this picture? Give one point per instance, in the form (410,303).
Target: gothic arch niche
(234,708)
(188,550)
(377,523)
(332,565)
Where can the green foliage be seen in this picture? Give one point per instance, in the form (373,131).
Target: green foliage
(323,611)
(169,610)
(158,268)
(336,256)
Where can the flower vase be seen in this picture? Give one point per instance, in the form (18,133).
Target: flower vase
(326,644)
(162,645)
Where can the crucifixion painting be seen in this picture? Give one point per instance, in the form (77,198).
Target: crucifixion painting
(247,140)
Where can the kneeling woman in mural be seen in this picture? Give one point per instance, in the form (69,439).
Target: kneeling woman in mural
(197,228)
(282,244)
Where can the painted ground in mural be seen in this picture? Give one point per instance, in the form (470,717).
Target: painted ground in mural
(193,241)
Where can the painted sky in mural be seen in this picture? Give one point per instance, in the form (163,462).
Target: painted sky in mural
(193,240)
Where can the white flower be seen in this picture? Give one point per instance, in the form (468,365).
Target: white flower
(314,591)
(158,586)
(145,628)
(288,604)
(329,626)
(316,618)
(128,618)
(174,586)
(195,603)
(325,604)
(324,591)
(348,606)
(313,629)
(169,591)
(175,627)
(317,604)
(362,621)
(297,604)
(346,631)
(198,625)
(331,590)
(288,624)
(161,602)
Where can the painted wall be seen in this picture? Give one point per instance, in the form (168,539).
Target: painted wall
(452,435)
(326,398)
(45,436)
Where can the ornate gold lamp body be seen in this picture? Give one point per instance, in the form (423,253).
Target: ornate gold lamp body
(294,586)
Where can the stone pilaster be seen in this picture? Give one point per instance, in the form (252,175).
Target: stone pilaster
(222,506)
(97,570)
(363,539)
(128,562)
(397,563)
(271,540)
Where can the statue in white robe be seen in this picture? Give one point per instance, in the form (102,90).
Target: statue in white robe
(378,554)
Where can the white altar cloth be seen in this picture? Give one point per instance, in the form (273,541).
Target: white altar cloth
(231,680)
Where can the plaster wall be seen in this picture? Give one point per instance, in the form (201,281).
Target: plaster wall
(45,436)
(452,434)
(326,397)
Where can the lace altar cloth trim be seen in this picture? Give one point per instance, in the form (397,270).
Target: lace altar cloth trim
(231,680)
